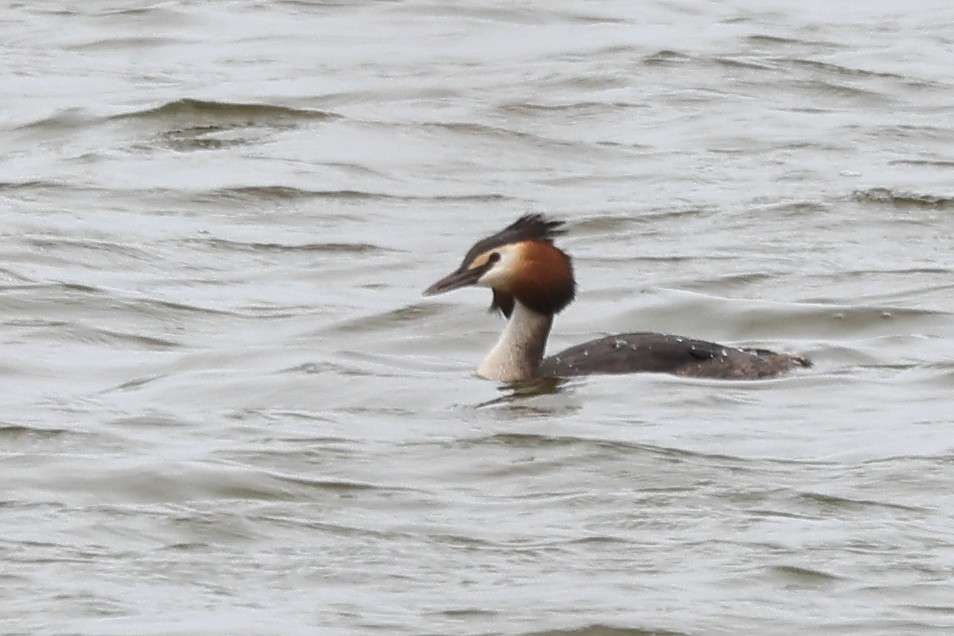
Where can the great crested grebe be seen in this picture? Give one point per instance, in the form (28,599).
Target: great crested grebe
(532,280)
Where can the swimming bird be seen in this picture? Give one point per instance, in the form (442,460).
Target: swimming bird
(532,281)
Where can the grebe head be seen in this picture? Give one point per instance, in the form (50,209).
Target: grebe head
(519,262)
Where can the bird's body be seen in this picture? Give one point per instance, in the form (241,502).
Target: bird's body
(664,353)
(532,280)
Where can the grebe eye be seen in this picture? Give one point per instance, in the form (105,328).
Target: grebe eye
(494,257)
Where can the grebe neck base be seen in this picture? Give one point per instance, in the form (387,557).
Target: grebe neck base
(519,350)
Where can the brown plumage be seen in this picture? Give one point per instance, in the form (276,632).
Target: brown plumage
(545,281)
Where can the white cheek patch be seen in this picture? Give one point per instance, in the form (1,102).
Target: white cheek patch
(503,270)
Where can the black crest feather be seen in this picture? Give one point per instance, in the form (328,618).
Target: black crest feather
(535,227)
(532,226)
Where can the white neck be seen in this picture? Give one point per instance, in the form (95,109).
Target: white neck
(519,350)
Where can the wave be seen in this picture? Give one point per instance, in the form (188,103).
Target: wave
(606,630)
(246,113)
(904,199)
(282,192)
(242,246)
(190,110)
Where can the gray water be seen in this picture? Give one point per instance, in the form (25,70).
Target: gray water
(228,409)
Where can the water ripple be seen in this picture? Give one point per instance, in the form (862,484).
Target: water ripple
(227,405)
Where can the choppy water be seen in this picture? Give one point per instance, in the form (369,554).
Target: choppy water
(229,410)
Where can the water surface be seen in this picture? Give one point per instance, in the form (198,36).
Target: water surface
(228,409)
